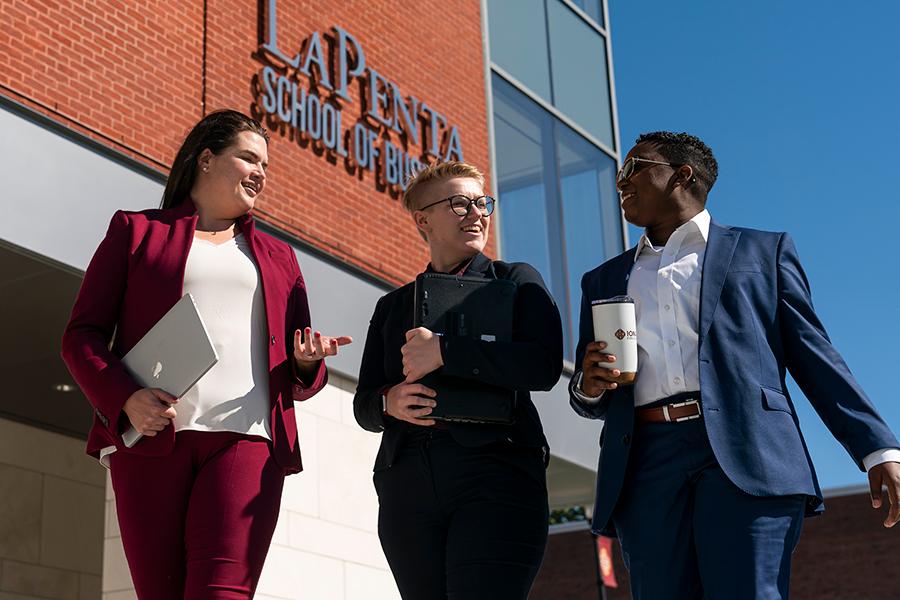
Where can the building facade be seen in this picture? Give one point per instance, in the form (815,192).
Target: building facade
(95,98)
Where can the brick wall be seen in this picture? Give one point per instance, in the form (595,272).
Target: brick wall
(844,553)
(569,570)
(130,74)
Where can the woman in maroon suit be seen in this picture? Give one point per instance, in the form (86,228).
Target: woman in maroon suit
(198,497)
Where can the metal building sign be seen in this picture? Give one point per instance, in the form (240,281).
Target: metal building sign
(309,90)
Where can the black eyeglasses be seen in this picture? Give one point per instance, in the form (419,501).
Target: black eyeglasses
(461,205)
(629,165)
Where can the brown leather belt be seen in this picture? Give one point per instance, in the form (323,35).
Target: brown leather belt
(670,413)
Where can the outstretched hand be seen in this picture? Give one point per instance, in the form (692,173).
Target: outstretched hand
(887,475)
(310,348)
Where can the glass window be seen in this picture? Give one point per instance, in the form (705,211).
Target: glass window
(580,82)
(528,207)
(590,206)
(592,8)
(518,42)
(523,197)
(558,209)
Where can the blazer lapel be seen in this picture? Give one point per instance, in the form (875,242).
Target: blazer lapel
(615,283)
(617,275)
(181,237)
(719,250)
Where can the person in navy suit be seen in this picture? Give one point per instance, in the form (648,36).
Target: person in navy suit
(704,475)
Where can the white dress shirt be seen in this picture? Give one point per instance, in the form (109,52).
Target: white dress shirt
(665,284)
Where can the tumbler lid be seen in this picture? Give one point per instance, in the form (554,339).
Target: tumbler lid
(614,300)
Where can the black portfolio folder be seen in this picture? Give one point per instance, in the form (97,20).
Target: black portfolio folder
(475,308)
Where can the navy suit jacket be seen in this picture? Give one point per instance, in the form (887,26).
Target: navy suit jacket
(756,322)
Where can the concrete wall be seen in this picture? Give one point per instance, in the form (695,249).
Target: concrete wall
(51,516)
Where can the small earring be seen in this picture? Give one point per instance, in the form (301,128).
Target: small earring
(206,169)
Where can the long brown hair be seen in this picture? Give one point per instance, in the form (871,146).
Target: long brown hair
(215,131)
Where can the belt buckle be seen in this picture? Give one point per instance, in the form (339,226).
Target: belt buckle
(679,405)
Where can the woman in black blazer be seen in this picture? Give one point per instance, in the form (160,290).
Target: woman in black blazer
(462,506)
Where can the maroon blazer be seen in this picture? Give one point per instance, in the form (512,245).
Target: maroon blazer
(134,278)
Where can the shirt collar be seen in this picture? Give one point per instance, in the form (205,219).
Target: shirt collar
(699,224)
(458,270)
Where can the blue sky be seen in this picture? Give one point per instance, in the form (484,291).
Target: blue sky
(799,101)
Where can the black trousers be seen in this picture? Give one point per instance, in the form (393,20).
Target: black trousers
(463,523)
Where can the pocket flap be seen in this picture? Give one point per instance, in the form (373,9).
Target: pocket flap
(745,267)
(775,400)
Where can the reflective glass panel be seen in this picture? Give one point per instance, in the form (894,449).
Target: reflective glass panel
(518,42)
(590,206)
(528,203)
(558,208)
(522,181)
(593,9)
(580,82)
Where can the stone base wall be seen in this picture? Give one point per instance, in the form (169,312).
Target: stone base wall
(51,516)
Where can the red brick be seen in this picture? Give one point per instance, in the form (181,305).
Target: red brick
(134,75)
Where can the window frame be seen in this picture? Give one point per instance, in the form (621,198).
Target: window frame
(490,68)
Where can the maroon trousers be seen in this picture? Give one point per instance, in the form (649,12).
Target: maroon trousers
(197,524)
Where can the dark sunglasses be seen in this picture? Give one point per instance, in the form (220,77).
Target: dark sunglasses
(630,164)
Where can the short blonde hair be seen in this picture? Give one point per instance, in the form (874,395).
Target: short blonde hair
(436,172)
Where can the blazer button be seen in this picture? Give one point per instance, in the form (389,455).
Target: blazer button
(626,439)
(273,340)
(475,371)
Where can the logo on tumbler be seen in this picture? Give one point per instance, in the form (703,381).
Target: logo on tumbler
(620,334)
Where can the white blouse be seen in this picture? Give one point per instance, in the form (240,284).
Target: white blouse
(234,394)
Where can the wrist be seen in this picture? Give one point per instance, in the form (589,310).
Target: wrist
(306,366)
(384,402)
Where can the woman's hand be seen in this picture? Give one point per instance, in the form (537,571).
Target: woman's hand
(310,348)
(421,354)
(150,410)
(408,401)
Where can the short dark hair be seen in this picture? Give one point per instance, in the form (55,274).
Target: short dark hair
(215,131)
(685,149)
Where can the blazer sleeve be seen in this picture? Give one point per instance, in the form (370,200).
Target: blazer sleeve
(86,339)
(818,368)
(298,317)
(596,410)
(367,406)
(533,360)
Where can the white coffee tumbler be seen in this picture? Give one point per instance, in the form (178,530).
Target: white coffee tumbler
(615,323)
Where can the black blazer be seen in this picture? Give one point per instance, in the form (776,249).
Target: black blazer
(532,361)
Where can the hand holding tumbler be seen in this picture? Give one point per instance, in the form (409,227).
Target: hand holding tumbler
(615,323)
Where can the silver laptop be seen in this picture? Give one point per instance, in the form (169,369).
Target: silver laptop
(172,356)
